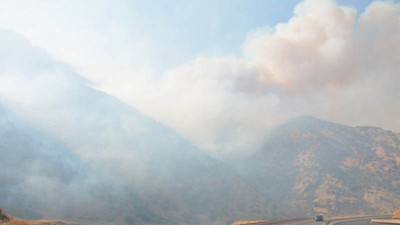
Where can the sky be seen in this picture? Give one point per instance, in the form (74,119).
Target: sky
(222,73)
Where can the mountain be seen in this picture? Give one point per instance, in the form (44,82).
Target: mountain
(31,163)
(312,166)
(42,177)
(71,151)
(307,166)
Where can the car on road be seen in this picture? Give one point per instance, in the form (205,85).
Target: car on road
(319,218)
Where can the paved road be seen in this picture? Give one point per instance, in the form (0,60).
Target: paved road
(362,221)
(307,222)
(353,221)
(303,222)
(359,221)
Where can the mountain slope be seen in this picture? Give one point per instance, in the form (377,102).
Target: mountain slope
(32,162)
(125,167)
(51,181)
(71,151)
(310,165)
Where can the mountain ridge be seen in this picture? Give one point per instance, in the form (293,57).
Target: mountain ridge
(323,164)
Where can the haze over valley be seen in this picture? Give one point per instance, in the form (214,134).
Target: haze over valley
(116,112)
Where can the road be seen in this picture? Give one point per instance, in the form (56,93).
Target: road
(359,221)
(349,221)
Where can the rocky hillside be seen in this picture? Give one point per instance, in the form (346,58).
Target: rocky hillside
(314,166)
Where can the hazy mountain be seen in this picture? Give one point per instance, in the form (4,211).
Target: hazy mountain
(179,183)
(307,166)
(310,165)
(71,151)
(42,178)
(35,168)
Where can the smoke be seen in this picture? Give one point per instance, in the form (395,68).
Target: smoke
(76,144)
(328,61)
(313,50)
(97,128)
(325,61)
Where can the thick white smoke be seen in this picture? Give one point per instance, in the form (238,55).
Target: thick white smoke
(325,61)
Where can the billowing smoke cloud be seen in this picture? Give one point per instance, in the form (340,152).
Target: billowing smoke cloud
(314,50)
(326,61)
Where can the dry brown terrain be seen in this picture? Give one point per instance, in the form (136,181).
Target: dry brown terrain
(311,166)
(396,214)
(16,221)
(250,222)
(6,219)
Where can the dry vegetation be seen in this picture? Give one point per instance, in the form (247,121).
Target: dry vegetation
(396,214)
(6,219)
(16,221)
(250,222)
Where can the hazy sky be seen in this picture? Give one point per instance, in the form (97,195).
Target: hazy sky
(221,73)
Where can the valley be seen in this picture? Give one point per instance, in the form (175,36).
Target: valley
(307,166)
(162,112)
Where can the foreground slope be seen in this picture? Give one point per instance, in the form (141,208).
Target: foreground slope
(310,165)
(9,220)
